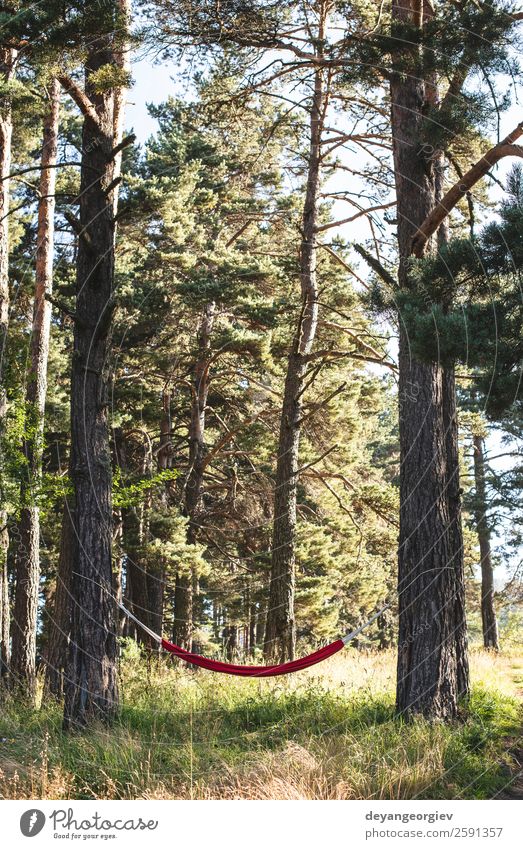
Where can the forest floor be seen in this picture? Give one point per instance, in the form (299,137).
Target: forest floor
(328,733)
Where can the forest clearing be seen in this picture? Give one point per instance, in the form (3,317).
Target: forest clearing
(261,399)
(331,734)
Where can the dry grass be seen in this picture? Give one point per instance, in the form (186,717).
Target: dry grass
(328,733)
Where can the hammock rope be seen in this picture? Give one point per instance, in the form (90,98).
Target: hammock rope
(255,671)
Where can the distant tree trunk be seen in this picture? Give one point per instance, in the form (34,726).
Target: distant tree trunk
(136,589)
(252,629)
(28,553)
(156,574)
(122,59)
(280,632)
(385,623)
(261,619)
(488,612)
(216,620)
(432,651)
(230,640)
(60,617)
(453,493)
(135,531)
(118,567)
(184,590)
(7,66)
(91,689)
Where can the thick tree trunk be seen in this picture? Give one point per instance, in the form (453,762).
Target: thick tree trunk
(280,631)
(185,581)
(432,651)
(28,553)
(7,64)
(488,612)
(91,689)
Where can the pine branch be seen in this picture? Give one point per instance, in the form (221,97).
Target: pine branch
(31,168)
(327,353)
(355,338)
(344,265)
(322,404)
(79,96)
(63,308)
(376,266)
(343,506)
(112,185)
(78,228)
(504,148)
(123,144)
(317,460)
(227,437)
(359,214)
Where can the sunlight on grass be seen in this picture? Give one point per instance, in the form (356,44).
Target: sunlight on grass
(326,733)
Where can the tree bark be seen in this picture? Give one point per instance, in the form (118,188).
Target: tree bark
(91,688)
(432,650)
(488,612)
(230,642)
(280,630)
(134,528)
(7,69)
(185,581)
(453,492)
(60,620)
(28,554)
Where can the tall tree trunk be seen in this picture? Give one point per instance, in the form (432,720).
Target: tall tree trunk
(488,612)
(432,651)
(91,688)
(135,531)
(280,631)
(28,554)
(7,66)
(185,581)
(60,618)
(122,60)
(252,629)
(155,578)
(230,642)
(453,492)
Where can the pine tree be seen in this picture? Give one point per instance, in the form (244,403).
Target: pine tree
(28,553)
(91,690)
(432,658)
(8,56)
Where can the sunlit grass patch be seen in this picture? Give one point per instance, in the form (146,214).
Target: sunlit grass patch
(328,734)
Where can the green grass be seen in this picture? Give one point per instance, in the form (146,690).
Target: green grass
(331,734)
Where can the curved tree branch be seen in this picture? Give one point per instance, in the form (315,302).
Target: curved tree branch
(504,148)
(79,96)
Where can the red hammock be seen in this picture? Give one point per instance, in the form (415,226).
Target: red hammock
(254,671)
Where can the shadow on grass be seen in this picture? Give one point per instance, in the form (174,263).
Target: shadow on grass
(191,732)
